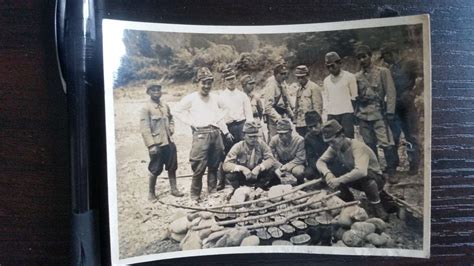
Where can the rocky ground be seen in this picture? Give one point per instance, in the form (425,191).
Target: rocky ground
(143,224)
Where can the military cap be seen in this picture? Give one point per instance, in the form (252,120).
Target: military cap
(388,47)
(330,129)
(246,79)
(153,86)
(301,71)
(204,74)
(362,49)
(312,118)
(283,126)
(228,72)
(251,128)
(332,57)
(280,68)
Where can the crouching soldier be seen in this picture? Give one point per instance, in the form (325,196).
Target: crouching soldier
(250,162)
(349,163)
(157,127)
(288,149)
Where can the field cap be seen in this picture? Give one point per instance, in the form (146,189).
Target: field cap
(251,128)
(301,71)
(283,126)
(330,129)
(204,74)
(362,49)
(246,79)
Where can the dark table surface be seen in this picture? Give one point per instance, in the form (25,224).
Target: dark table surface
(35,187)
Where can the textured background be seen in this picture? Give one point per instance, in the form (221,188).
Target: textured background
(35,186)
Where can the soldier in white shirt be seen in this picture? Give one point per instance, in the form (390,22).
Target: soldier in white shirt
(341,90)
(237,106)
(203,111)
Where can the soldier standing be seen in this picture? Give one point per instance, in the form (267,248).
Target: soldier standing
(349,163)
(250,162)
(248,86)
(375,84)
(203,112)
(404,72)
(157,127)
(341,90)
(314,144)
(288,149)
(308,98)
(237,106)
(277,104)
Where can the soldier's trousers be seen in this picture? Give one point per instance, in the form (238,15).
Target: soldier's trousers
(206,151)
(272,131)
(405,121)
(265,179)
(372,184)
(378,132)
(236,129)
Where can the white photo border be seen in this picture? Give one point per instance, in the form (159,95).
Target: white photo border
(110,28)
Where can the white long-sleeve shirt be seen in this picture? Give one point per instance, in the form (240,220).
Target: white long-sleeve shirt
(340,91)
(237,105)
(198,111)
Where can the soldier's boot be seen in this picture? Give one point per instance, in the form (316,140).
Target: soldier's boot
(391,158)
(379,211)
(221,180)
(151,187)
(211,180)
(174,188)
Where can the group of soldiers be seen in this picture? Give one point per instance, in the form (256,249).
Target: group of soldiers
(229,142)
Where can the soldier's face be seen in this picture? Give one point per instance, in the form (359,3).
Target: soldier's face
(285,137)
(205,86)
(282,76)
(155,94)
(251,140)
(316,129)
(302,80)
(388,57)
(334,67)
(230,83)
(337,142)
(364,60)
(248,88)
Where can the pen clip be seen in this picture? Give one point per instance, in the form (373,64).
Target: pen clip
(59,29)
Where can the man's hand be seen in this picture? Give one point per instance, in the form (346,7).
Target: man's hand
(256,170)
(229,137)
(284,168)
(390,116)
(246,172)
(152,150)
(334,183)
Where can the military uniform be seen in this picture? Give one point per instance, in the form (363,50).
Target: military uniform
(404,74)
(243,155)
(277,104)
(314,145)
(354,164)
(374,85)
(292,155)
(206,117)
(308,98)
(157,127)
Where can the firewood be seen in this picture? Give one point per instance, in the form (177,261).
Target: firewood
(406,204)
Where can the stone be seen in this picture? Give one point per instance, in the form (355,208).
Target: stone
(316,198)
(332,202)
(179,226)
(380,225)
(235,236)
(296,194)
(366,228)
(177,237)
(240,195)
(278,190)
(250,241)
(353,238)
(191,241)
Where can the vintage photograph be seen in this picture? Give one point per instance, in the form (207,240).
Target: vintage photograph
(245,139)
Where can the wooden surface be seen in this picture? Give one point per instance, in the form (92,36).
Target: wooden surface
(35,186)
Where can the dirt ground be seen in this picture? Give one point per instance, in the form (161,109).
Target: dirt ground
(142,224)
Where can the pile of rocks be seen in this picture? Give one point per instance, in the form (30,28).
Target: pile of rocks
(284,215)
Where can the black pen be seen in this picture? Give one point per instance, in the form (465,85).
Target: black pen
(76,43)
